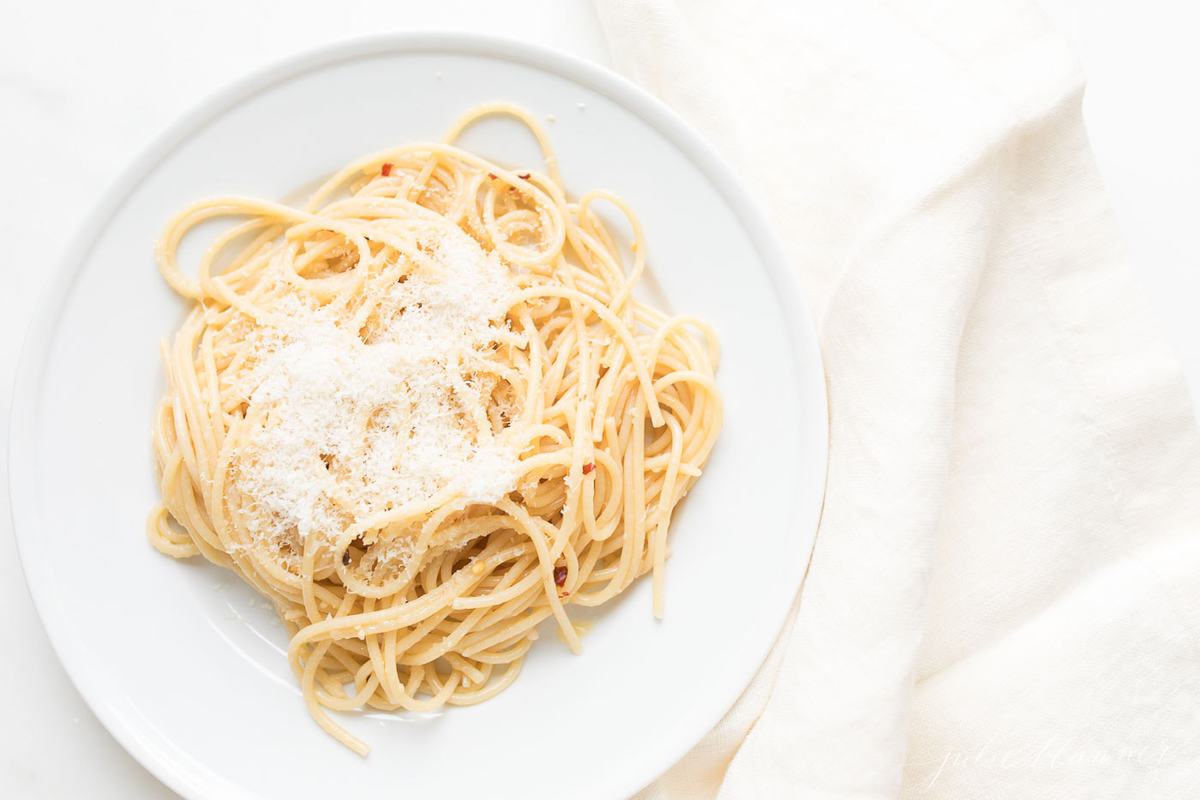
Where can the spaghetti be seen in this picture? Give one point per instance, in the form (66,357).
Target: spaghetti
(424,413)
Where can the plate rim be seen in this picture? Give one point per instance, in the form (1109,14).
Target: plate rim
(34,349)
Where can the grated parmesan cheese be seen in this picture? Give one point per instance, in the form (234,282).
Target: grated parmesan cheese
(360,422)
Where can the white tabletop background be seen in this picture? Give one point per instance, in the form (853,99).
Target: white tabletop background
(83,86)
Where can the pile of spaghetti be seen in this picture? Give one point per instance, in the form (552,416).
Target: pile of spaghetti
(423,414)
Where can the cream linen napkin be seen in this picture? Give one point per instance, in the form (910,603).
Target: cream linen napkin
(1004,600)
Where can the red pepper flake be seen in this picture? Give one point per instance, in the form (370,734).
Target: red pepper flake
(523,176)
(386,169)
(560,575)
(491,176)
(588,468)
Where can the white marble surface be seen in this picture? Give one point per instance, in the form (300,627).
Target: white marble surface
(83,86)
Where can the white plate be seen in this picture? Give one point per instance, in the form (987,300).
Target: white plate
(181,662)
